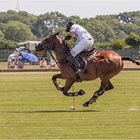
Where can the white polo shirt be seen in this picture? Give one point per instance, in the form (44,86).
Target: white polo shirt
(80,32)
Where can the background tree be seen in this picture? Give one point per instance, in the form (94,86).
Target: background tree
(48,23)
(119,44)
(100,30)
(1,35)
(133,40)
(18,32)
(7,44)
(20,16)
(22,26)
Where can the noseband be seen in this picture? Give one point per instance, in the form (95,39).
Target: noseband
(45,45)
(51,45)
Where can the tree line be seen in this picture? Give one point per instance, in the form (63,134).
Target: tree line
(116,31)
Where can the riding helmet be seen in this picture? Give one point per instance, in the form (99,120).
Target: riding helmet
(69,25)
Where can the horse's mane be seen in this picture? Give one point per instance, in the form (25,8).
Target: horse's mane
(66,47)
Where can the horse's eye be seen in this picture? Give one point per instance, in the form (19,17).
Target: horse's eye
(48,41)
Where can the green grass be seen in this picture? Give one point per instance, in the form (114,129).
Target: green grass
(31,108)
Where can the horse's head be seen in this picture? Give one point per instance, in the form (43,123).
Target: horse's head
(48,44)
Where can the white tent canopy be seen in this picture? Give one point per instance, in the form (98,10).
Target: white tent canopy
(29,44)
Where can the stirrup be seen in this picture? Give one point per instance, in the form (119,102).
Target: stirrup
(78,71)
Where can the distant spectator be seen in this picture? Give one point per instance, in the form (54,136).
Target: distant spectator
(43,63)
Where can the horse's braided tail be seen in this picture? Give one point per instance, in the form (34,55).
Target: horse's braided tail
(130,59)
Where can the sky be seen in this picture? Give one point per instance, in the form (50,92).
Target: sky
(82,8)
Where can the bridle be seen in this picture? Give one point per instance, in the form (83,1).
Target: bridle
(49,46)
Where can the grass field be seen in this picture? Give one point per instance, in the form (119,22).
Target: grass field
(31,108)
(3,66)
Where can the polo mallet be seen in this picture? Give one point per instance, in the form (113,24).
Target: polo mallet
(73,107)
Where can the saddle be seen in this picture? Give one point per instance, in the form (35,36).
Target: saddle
(82,58)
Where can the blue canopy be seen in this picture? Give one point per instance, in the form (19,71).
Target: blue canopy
(29,57)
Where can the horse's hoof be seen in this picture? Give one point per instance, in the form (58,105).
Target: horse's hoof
(73,94)
(81,92)
(93,100)
(86,104)
(61,89)
(66,94)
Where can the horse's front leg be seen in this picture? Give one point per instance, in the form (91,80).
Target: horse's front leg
(68,85)
(57,83)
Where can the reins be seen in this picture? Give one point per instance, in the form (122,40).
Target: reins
(66,49)
(57,63)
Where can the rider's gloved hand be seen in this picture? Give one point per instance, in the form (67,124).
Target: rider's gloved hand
(67,37)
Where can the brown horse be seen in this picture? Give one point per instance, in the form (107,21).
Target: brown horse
(104,65)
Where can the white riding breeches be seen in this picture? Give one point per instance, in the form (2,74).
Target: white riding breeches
(84,44)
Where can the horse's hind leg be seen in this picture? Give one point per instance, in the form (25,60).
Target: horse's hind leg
(105,85)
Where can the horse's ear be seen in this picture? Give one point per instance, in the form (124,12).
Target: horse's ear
(55,34)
